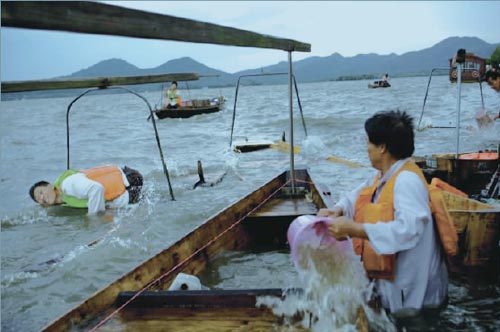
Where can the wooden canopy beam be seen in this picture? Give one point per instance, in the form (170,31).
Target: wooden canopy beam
(99,82)
(100,18)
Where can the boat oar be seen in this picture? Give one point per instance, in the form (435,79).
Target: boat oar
(202,182)
(345,162)
(45,265)
(284,146)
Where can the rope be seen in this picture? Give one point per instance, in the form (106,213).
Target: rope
(157,280)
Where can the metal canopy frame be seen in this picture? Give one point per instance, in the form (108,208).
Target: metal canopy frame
(427,93)
(263,75)
(165,170)
(100,18)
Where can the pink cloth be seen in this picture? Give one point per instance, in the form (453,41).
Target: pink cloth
(312,231)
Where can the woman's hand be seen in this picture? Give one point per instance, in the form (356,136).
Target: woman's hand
(330,213)
(341,228)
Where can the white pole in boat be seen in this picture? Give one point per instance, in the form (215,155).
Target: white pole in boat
(459,87)
(290,102)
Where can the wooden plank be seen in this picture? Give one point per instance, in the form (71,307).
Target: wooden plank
(198,298)
(99,82)
(199,319)
(100,18)
(286,207)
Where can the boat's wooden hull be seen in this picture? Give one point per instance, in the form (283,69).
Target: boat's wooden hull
(250,146)
(478,228)
(375,85)
(185,112)
(218,311)
(470,176)
(261,217)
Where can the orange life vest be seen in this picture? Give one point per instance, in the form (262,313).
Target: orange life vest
(437,182)
(383,266)
(111,179)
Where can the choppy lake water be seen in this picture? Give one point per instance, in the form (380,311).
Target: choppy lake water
(112,128)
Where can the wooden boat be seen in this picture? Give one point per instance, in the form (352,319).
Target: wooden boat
(140,301)
(252,145)
(473,71)
(379,84)
(470,172)
(261,144)
(191,108)
(140,298)
(478,228)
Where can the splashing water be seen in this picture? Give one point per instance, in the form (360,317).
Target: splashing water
(335,293)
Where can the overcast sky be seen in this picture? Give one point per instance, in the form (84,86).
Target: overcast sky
(348,28)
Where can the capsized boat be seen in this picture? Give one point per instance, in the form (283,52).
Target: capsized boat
(139,300)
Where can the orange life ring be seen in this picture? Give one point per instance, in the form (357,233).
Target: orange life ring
(454,74)
(479,156)
(475,74)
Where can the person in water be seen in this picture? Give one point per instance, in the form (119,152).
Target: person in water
(389,220)
(172,96)
(94,188)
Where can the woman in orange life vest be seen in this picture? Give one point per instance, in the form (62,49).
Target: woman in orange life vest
(94,188)
(389,220)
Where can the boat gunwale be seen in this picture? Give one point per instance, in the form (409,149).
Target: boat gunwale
(104,298)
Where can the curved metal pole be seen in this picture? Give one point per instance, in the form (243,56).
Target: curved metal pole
(263,74)
(234,112)
(481,89)
(459,90)
(300,105)
(67,123)
(189,92)
(165,170)
(426,94)
(290,102)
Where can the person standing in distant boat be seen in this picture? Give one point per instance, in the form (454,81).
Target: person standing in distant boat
(173,99)
(389,220)
(94,188)
(385,80)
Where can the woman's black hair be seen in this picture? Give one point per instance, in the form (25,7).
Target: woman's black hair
(395,130)
(32,189)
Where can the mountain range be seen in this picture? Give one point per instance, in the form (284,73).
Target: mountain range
(312,69)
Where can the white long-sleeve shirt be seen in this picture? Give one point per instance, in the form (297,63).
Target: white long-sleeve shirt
(421,278)
(80,186)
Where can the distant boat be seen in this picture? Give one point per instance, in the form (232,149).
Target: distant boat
(191,108)
(379,84)
(474,69)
